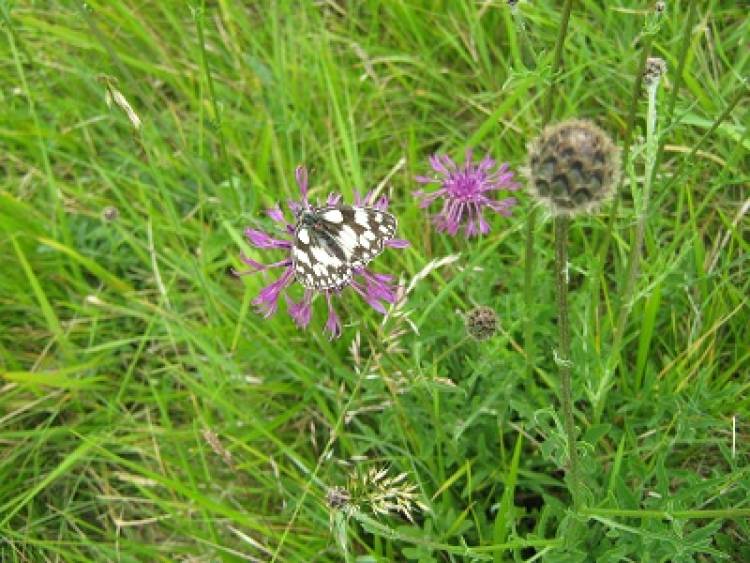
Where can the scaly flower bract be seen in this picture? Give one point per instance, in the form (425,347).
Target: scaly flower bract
(374,288)
(465,190)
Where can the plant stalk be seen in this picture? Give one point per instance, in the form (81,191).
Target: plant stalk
(563,352)
(530,254)
(634,257)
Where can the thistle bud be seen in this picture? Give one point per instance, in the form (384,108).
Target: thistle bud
(481,323)
(110,213)
(655,68)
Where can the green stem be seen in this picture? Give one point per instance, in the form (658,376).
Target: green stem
(210,82)
(627,142)
(374,526)
(634,258)
(528,56)
(667,514)
(563,31)
(684,47)
(528,293)
(530,257)
(669,115)
(563,352)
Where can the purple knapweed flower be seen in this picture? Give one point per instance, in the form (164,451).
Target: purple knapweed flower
(465,190)
(376,289)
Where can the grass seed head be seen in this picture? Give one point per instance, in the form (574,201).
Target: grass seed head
(573,167)
(338,498)
(481,323)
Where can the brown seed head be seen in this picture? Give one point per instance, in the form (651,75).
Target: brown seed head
(481,323)
(338,497)
(573,167)
(110,213)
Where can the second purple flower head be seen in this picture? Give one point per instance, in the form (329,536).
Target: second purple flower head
(465,190)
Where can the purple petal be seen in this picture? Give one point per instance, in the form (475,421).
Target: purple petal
(381,203)
(425,179)
(375,276)
(503,206)
(375,289)
(295,207)
(468,164)
(359,200)
(437,165)
(484,226)
(276,214)
(258,267)
(301,312)
(333,199)
(268,299)
(259,239)
(487,163)
(333,324)
(301,175)
(448,162)
(428,197)
(397,243)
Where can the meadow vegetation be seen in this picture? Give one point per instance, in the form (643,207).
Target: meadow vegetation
(148,412)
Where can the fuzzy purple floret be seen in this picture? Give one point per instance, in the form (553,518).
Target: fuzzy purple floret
(465,191)
(375,289)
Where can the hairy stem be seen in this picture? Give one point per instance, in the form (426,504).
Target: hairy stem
(634,258)
(530,257)
(563,351)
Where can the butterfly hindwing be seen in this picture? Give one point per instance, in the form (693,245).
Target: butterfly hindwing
(331,242)
(363,233)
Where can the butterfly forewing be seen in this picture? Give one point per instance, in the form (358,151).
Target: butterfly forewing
(331,242)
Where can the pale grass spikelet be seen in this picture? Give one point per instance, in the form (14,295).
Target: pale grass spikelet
(375,491)
(431,266)
(383,494)
(135,479)
(212,439)
(113,95)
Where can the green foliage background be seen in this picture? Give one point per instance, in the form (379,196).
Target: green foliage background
(148,413)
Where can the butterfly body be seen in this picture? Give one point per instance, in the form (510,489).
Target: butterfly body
(331,242)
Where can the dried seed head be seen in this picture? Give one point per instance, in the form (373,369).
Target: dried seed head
(573,167)
(659,7)
(481,323)
(338,497)
(655,68)
(110,213)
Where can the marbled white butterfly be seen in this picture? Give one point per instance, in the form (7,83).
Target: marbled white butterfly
(330,243)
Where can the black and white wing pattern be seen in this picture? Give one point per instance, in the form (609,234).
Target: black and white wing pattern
(331,242)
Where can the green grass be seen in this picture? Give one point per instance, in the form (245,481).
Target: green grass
(148,413)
